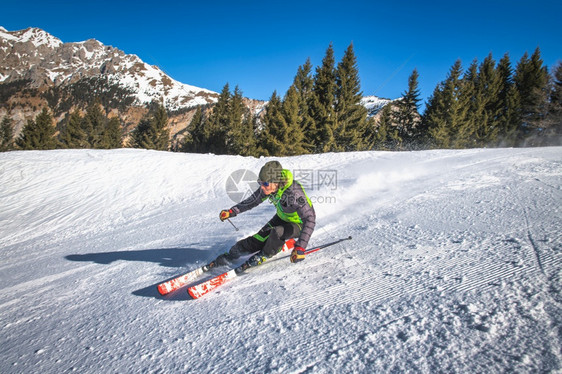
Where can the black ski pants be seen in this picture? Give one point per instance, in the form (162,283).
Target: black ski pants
(269,240)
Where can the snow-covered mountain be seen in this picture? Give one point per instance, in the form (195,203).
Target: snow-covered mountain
(374,104)
(454,266)
(44,60)
(37,70)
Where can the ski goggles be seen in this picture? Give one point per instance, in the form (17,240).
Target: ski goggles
(264,184)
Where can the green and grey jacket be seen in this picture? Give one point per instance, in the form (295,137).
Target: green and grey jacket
(292,203)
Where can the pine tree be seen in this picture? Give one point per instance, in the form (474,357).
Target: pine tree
(509,120)
(350,116)
(152,131)
(323,102)
(531,80)
(469,110)
(385,135)
(234,130)
(370,134)
(446,113)
(248,137)
(159,122)
(194,140)
(113,135)
(555,107)
(94,123)
(240,134)
(39,133)
(295,143)
(274,137)
(143,135)
(282,134)
(488,87)
(407,117)
(217,126)
(303,84)
(439,127)
(72,134)
(6,135)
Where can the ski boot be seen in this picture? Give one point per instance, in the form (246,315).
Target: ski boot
(257,259)
(222,260)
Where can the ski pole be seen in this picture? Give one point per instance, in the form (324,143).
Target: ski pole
(326,245)
(236,228)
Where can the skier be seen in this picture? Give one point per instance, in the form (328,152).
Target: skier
(295,218)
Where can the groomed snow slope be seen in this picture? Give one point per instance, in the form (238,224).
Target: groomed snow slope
(454,266)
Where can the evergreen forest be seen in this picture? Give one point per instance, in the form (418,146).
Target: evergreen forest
(488,103)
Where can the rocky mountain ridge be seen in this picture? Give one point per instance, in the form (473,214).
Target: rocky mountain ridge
(35,55)
(37,70)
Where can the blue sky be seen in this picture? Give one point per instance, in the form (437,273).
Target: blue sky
(259,45)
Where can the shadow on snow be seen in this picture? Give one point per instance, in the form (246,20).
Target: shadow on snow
(168,257)
(180,258)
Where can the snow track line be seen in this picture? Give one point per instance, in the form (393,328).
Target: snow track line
(530,238)
(532,241)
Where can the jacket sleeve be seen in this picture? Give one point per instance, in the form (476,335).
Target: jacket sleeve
(307,215)
(251,202)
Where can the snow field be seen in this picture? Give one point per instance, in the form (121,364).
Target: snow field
(454,265)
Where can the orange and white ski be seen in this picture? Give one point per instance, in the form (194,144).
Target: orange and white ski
(178,282)
(204,288)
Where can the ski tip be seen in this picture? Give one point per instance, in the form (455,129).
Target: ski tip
(190,292)
(163,290)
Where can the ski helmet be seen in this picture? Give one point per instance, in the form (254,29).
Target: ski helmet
(271,172)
